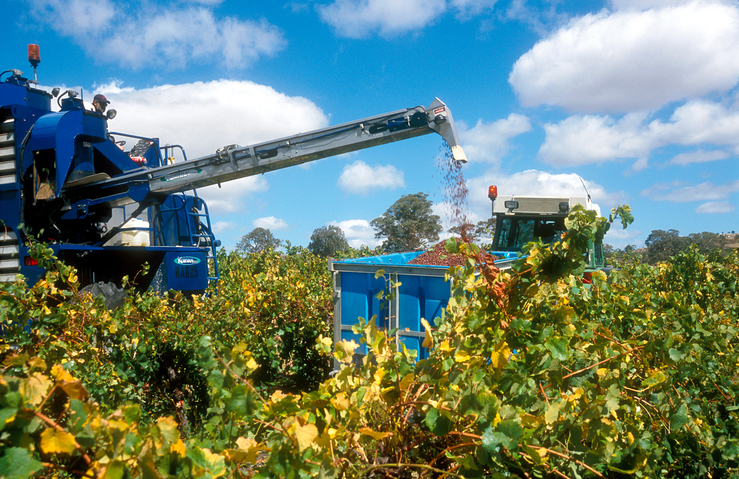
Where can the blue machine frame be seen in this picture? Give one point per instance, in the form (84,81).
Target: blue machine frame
(43,153)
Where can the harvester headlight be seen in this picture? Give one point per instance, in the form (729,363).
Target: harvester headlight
(111,114)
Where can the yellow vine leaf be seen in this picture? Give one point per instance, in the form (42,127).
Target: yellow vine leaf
(54,441)
(251,364)
(248,450)
(499,357)
(552,414)
(168,432)
(428,340)
(377,436)
(407,381)
(35,388)
(216,465)
(497,419)
(379,374)
(68,383)
(341,402)
(178,448)
(345,350)
(305,435)
(445,346)
(542,453)
(277,396)
(325,343)
(461,356)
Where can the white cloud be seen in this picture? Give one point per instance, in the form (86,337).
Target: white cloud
(700,121)
(579,140)
(640,164)
(633,60)
(204,2)
(362,18)
(469,8)
(586,139)
(220,227)
(231,196)
(142,34)
(713,207)
(358,233)
(271,223)
(679,192)
(540,20)
(491,141)
(391,18)
(74,18)
(360,178)
(203,117)
(646,4)
(698,156)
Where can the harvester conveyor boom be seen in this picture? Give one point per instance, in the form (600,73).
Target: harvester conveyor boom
(234,161)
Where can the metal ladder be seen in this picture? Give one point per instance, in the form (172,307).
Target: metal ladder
(10,264)
(200,236)
(204,235)
(7,151)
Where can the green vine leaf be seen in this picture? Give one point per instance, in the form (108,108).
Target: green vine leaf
(18,463)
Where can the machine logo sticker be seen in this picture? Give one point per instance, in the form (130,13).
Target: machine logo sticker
(187,260)
(181,174)
(186,267)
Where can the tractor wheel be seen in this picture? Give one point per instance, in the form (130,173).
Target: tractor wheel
(114,296)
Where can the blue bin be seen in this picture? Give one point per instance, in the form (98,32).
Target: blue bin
(423,293)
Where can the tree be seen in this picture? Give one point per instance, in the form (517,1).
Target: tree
(707,242)
(408,224)
(258,240)
(662,245)
(480,233)
(327,240)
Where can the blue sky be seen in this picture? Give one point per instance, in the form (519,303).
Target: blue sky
(637,98)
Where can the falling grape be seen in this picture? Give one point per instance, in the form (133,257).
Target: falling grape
(455,188)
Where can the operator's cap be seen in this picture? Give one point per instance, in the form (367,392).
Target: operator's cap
(100,98)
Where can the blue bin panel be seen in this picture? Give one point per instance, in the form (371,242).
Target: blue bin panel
(419,297)
(358,299)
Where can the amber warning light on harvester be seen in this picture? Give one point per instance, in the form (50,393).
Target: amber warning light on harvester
(492,192)
(34,57)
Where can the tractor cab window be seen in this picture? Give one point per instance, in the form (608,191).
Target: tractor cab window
(599,259)
(513,232)
(503,234)
(524,233)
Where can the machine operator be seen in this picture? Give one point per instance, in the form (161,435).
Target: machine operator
(100,103)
